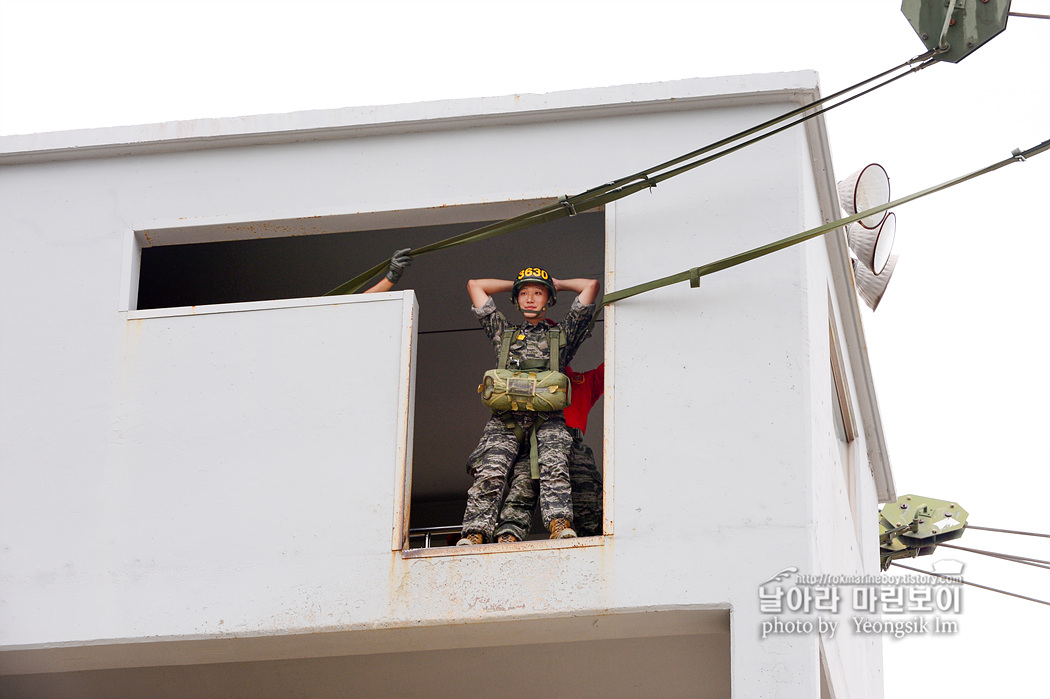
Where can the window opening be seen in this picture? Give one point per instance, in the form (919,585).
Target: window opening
(452,352)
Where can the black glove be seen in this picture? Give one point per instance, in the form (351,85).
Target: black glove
(398,262)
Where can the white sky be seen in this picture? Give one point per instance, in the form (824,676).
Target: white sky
(960,346)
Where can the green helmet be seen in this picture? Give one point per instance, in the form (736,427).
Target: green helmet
(534,275)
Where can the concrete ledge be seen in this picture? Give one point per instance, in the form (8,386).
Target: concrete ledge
(586,625)
(351,122)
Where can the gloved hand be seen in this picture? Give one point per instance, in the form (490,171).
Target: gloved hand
(398,262)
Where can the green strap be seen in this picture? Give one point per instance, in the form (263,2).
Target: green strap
(693,275)
(534,449)
(646,179)
(504,348)
(555,340)
(512,424)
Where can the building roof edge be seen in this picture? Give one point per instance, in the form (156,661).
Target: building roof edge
(351,122)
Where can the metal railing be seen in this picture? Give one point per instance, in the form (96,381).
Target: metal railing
(427,532)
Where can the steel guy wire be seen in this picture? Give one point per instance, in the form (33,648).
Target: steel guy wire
(1006,531)
(972,584)
(1038,563)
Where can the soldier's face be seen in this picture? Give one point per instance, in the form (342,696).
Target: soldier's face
(532,297)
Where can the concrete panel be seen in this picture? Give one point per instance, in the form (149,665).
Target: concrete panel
(246,455)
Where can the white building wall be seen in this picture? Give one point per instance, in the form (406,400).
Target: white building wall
(209,475)
(218,488)
(717,477)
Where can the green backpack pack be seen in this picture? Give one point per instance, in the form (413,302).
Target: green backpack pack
(532,385)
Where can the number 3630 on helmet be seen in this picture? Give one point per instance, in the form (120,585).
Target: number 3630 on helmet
(534,275)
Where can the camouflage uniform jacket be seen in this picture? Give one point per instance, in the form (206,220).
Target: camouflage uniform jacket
(530,341)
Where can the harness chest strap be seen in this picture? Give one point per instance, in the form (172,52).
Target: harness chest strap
(504,349)
(554,343)
(555,340)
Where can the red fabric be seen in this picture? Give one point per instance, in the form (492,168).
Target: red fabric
(587,388)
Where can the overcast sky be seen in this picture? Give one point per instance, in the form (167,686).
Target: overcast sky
(960,346)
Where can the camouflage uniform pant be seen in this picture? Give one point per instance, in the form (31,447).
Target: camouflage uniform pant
(586,482)
(490,465)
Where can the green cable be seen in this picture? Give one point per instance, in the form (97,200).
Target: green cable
(625,186)
(693,275)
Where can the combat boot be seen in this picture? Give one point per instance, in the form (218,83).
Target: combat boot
(471,540)
(562,529)
(506,538)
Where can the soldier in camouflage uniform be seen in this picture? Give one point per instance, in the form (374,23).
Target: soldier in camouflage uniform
(515,518)
(491,461)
